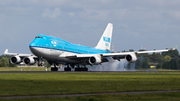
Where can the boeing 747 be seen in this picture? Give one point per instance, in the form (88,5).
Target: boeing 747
(58,51)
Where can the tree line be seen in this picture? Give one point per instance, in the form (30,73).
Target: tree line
(5,61)
(164,60)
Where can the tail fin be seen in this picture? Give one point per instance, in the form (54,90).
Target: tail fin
(105,41)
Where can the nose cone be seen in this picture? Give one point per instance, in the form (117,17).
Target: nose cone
(33,50)
(33,47)
(32,44)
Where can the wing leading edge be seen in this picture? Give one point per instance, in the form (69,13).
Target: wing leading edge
(21,55)
(116,54)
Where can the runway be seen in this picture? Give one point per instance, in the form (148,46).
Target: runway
(89,71)
(74,95)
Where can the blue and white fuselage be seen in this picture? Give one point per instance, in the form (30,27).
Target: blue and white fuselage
(56,50)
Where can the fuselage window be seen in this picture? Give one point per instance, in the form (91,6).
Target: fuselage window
(38,37)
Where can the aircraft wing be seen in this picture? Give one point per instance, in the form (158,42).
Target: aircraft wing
(20,55)
(119,55)
(139,52)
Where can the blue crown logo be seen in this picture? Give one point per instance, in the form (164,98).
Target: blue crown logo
(106,39)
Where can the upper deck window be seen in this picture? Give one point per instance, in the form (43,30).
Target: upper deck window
(38,37)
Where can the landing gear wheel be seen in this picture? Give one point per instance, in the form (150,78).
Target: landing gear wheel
(81,69)
(54,69)
(67,69)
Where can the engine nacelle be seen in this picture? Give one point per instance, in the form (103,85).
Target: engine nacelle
(15,60)
(131,57)
(94,60)
(29,60)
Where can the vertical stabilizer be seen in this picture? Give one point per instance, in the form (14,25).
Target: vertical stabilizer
(105,41)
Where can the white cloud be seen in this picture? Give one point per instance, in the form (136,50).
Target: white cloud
(52,14)
(137,18)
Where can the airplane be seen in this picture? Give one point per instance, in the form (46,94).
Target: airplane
(58,51)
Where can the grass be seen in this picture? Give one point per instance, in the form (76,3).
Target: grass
(76,83)
(141,97)
(23,69)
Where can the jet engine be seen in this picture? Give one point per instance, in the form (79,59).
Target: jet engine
(131,57)
(15,60)
(94,60)
(29,60)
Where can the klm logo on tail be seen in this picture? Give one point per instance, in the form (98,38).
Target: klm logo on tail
(106,39)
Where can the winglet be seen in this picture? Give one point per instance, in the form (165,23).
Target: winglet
(6,51)
(174,48)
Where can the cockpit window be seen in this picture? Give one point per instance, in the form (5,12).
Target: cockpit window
(38,37)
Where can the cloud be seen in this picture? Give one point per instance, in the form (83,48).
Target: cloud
(52,14)
(135,20)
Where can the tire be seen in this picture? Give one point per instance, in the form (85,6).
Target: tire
(81,69)
(54,69)
(67,69)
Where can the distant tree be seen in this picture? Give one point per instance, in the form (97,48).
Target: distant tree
(174,64)
(172,53)
(142,50)
(4,62)
(142,63)
(167,58)
(131,50)
(145,64)
(46,64)
(123,51)
(166,65)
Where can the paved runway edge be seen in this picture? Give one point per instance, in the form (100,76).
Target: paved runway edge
(74,95)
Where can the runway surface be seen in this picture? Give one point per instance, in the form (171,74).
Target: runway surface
(89,71)
(74,95)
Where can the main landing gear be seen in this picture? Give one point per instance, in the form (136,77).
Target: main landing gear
(77,68)
(54,68)
(68,68)
(81,69)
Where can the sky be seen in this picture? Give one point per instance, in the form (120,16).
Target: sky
(154,24)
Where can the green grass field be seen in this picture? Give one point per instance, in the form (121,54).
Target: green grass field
(72,83)
(16,84)
(23,69)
